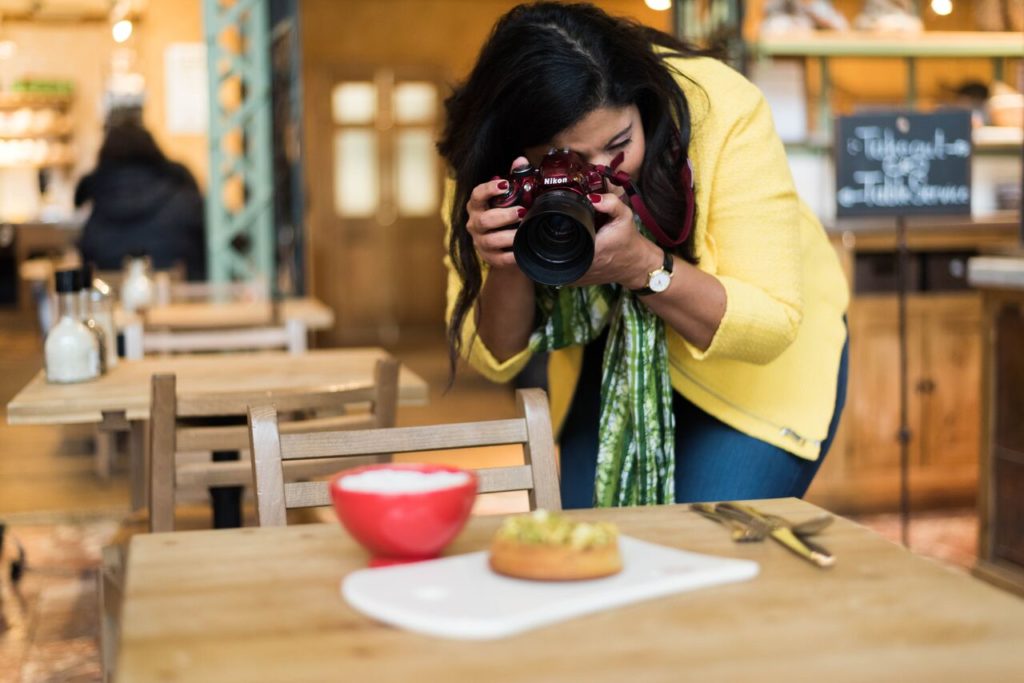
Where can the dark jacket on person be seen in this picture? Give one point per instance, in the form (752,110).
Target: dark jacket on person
(143,207)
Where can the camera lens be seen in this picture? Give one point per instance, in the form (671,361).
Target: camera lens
(555,242)
(557,238)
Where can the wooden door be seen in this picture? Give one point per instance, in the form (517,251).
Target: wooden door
(873,403)
(950,386)
(377,248)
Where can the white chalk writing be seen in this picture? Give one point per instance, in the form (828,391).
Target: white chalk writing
(903,174)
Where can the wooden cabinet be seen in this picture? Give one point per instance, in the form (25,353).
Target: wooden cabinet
(1001,491)
(945,337)
(943,369)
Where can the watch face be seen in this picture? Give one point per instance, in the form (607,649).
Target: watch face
(660,280)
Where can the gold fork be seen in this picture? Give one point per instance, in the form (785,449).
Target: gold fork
(740,531)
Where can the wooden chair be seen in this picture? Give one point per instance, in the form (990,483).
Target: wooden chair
(167,290)
(175,427)
(140,341)
(273,447)
(172,276)
(171,434)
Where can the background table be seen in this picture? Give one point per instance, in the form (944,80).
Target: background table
(196,315)
(201,313)
(120,398)
(263,605)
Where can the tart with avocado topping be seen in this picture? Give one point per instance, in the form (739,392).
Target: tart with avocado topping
(547,546)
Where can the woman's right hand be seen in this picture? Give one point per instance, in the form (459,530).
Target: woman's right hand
(505,308)
(494,229)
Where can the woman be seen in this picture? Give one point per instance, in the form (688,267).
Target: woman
(729,382)
(141,202)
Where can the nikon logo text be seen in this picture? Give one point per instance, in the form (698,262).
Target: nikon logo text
(555,181)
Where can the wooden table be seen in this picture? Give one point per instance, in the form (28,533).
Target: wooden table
(120,398)
(198,314)
(263,605)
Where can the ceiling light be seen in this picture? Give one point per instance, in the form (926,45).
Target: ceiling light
(658,5)
(942,7)
(122,31)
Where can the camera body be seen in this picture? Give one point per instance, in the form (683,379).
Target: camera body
(554,244)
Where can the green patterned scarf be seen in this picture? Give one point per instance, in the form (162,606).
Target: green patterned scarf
(636,432)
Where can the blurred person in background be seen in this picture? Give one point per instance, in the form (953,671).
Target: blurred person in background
(141,202)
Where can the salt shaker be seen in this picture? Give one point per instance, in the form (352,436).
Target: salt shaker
(71,349)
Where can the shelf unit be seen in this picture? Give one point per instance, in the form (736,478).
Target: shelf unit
(819,143)
(944,327)
(61,130)
(933,44)
(17,100)
(58,132)
(63,160)
(824,46)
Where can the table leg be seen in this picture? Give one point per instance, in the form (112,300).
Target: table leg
(139,464)
(106,447)
(112,424)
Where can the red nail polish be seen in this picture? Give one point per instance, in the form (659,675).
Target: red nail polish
(521,212)
(503,185)
(596,198)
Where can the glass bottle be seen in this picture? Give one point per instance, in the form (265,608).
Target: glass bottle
(72,350)
(137,287)
(98,314)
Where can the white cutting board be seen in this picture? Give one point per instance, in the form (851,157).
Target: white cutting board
(461,597)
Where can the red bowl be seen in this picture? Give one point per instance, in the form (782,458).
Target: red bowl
(405,526)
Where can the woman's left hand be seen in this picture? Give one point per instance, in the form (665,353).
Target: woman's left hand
(621,254)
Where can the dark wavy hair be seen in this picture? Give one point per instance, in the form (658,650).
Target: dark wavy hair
(128,142)
(545,66)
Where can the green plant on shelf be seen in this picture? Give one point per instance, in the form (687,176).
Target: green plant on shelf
(38,86)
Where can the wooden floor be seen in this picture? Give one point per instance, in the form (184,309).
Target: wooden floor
(61,513)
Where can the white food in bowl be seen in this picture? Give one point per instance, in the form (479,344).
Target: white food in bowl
(402,481)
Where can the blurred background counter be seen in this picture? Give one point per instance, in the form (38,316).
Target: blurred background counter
(1000,279)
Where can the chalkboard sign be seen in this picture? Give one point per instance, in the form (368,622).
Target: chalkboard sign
(902,164)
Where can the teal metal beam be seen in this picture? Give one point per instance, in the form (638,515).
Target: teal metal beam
(240,238)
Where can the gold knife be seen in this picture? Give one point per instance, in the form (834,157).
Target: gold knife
(782,533)
(740,530)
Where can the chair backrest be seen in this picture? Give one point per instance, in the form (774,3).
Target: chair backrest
(167,291)
(173,275)
(176,426)
(271,448)
(139,341)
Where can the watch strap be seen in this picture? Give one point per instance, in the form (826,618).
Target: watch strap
(666,265)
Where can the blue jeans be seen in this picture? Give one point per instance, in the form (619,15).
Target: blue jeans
(713,460)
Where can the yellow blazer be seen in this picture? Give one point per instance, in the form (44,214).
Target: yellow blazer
(771,369)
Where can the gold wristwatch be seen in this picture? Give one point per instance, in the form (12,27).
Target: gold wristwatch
(658,280)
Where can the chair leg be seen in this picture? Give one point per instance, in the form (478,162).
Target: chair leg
(110,585)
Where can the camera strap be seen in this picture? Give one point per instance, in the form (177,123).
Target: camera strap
(623,180)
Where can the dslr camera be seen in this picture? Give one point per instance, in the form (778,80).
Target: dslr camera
(554,244)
